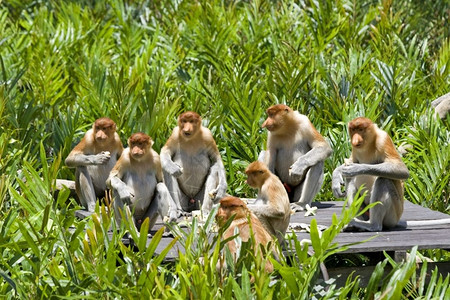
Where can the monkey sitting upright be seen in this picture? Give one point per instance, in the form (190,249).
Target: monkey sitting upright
(192,165)
(295,153)
(136,182)
(93,158)
(376,165)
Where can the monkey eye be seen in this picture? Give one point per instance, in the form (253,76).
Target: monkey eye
(260,171)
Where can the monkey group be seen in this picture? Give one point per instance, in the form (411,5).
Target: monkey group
(189,174)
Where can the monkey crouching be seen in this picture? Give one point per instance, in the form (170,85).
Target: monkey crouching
(246,222)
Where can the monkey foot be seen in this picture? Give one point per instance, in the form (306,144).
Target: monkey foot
(297,207)
(185,213)
(167,234)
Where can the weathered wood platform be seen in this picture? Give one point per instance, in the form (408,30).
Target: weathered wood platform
(399,239)
(396,241)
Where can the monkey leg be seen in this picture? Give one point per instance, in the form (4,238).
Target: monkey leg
(121,207)
(208,194)
(383,214)
(85,189)
(305,192)
(158,207)
(166,205)
(183,202)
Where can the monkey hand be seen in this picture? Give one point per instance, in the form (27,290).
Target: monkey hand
(173,215)
(298,170)
(218,193)
(351,170)
(174,169)
(121,188)
(101,158)
(337,183)
(124,195)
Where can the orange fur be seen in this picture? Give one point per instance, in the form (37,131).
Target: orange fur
(93,158)
(192,165)
(272,204)
(376,165)
(230,206)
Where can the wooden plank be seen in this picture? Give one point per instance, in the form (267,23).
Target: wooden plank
(364,273)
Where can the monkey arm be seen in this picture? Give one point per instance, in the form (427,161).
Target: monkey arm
(115,183)
(270,159)
(218,167)
(391,170)
(311,158)
(167,163)
(337,183)
(162,190)
(80,159)
(267,210)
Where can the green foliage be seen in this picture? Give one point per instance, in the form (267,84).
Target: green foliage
(65,63)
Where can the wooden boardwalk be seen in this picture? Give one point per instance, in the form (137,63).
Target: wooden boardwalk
(399,239)
(396,241)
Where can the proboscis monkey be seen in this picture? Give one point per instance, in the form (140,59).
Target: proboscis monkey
(94,157)
(272,203)
(376,164)
(230,206)
(136,182)
(295,153)
(192,165)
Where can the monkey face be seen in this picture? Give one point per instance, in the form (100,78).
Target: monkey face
(138,150)
(257,173)
(103,133)
(360,129)
(189,123)
(255,178)
(139,144)
(221,216)
(276,116)
(357,140)
(188,128)
(230,206)
(104,129)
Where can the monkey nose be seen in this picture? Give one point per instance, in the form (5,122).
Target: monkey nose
(269,127)
(101,138)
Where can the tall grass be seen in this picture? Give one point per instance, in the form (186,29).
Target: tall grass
(64,64)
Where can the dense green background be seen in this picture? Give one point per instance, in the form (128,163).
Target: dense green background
(65,63)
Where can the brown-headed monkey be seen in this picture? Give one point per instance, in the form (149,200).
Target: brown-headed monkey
(136,182)
(295,153)
(272,203)
(230,206)
(93,158)
(192,166)
(375,164)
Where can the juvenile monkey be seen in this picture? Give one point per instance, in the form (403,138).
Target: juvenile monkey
(136,182)
(93,158)
(230,206)
(272,203)
(295,153)
(376,164)
(192,165)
